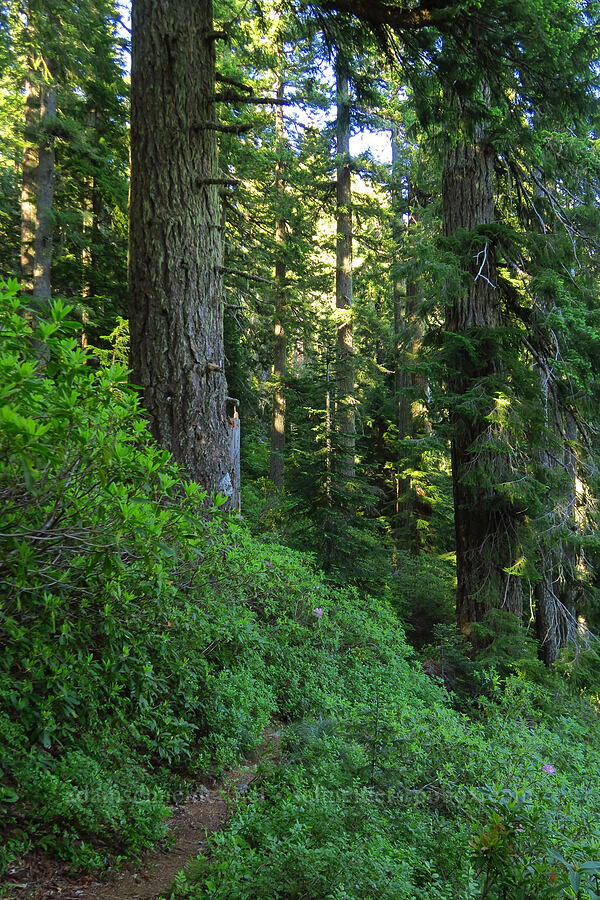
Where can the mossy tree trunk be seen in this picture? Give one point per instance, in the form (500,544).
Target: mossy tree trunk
(175,284)
(44,194)
(486,547)
(28,186)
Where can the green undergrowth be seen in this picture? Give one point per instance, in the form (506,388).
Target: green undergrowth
(147,637)
(402,797)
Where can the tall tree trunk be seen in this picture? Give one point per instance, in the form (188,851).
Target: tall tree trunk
(28,188)
(485,544)
(92,205)
(45,195)
(175,286)
(343,281)
(401,400)
(280,354)
(407,341)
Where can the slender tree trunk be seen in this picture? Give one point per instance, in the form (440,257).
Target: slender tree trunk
(45,195)
(87,258)
(485,543)
(407,341)
(343,282)
(401,401)
(28,188)
(329,549)
(175,285)
(280,355)
(91,226)
(402,406)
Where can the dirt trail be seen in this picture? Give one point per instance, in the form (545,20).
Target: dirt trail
(204,812)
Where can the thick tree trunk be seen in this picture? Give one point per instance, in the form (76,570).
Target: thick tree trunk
(280,349)
(28,188)
(45,195)
(175,286)
(485,542)
(343,281)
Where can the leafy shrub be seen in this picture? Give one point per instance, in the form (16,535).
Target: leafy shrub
(146,636)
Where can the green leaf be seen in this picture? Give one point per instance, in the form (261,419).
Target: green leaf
(575,880)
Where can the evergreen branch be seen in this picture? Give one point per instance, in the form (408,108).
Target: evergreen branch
(240,274)
(236,98)
(233,82)
(225,129)
(380,14)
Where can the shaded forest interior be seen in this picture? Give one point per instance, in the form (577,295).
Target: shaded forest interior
(369,232)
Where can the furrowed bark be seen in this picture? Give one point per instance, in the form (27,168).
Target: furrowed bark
(485,542)
(28,187)
(45,195)
(175,284)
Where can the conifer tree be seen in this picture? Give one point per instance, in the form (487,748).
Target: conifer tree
(280,354)
(175,284)
(344,413)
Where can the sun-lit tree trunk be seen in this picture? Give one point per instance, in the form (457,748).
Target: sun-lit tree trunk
(280,348)
(44,194)
(343,282)
(486,546)
(28,187)
(175,284)
(92,206)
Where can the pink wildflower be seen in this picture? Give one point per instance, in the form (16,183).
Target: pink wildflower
(318,612)
(548,769)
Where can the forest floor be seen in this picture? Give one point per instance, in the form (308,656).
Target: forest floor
(206,810)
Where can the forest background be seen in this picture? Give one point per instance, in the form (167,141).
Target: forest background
(410,341)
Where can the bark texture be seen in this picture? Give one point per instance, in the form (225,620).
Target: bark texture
(175,286)
(28,187)
(45,195)
(485,532)
(280,349)
(343,281)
